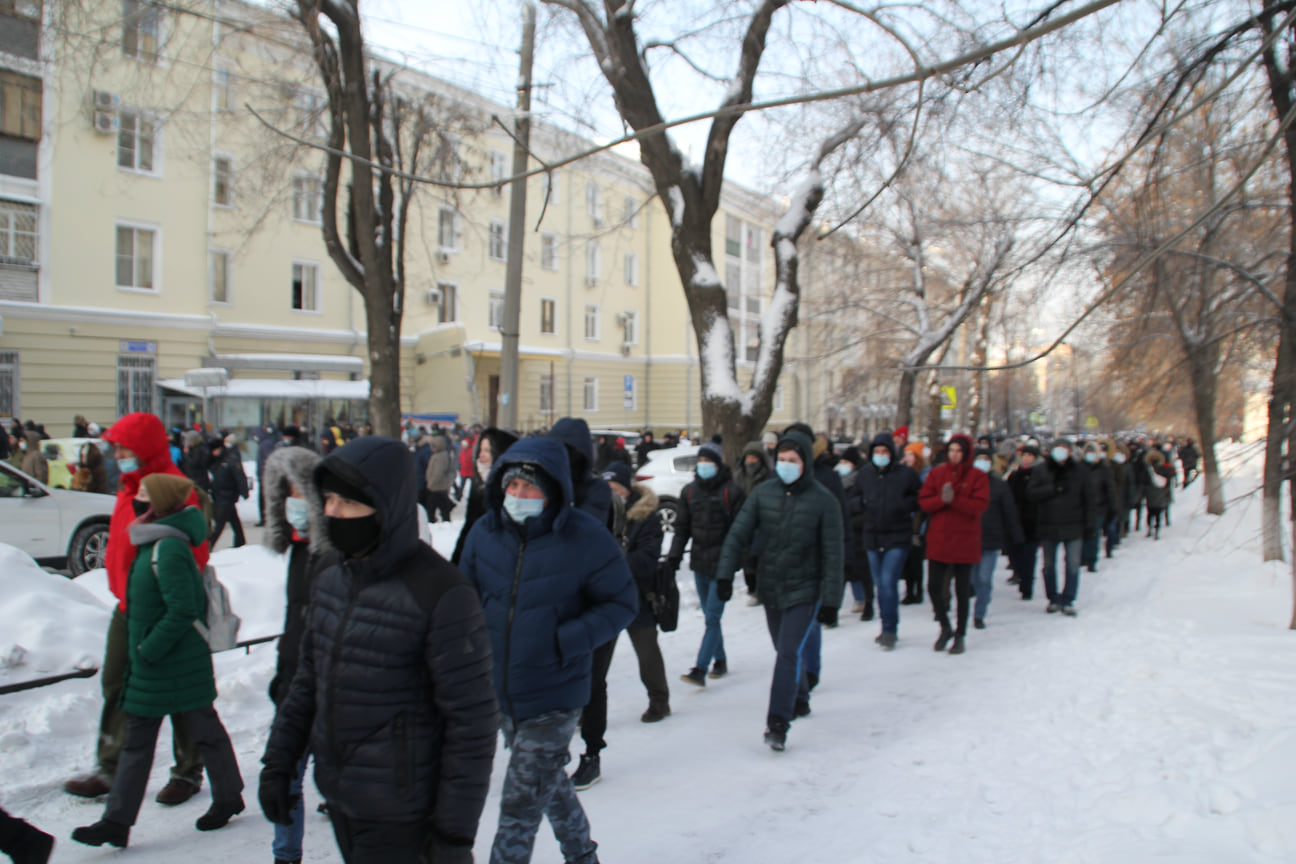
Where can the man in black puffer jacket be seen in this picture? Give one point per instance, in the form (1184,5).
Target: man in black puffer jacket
(888,492)
(393,694)
(1059,485)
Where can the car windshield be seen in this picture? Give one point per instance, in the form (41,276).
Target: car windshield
(11,486)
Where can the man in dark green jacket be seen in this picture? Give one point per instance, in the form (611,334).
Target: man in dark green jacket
(800,570)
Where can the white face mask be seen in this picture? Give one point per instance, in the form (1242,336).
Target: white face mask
(522,509)
(483,469)
(843,468)
(297,512)
(982,465)
(1119,458)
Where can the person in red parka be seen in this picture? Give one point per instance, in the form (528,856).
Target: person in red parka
(141,448)
(955,495)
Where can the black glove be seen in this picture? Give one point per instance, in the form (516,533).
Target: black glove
(673,563)
(275,795)
(436,850)
(724,590)
(828,616)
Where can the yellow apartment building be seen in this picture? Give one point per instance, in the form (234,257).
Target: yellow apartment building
(160,247)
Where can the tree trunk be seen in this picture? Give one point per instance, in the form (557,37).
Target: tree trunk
(384,361)
(905,398)
(1202,372)
(935,422)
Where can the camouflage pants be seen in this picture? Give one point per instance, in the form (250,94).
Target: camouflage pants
(537,785)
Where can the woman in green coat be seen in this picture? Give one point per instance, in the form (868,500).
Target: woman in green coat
(169,668)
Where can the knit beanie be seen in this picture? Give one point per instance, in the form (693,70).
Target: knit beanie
(532,473)
(770,439)
(619,472)
(330,482)
(167,492)
(712,452)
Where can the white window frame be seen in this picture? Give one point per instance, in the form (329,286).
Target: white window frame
(551,188)
(593,322)
(448,309)
(590,398)
(546,394)
(630,332)
(156,255)
(495,311)
(548,251)
(554,302)
(136,363)
(217,158)
(497,240)
(139,118)
(632,269)
(224,88)
(11,374)
(11,236)
(631,209)
(594,203)
(593,261)
(302,197)
(319,286)
(159,24)
(448,220)
(228,256)
(498,171)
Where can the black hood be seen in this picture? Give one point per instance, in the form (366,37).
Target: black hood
(383,469)
(883,439)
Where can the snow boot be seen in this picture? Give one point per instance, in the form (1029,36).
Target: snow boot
(1053,607)
(1069,611)
(587,773)
(978,623)
(89,786)
(943,640)
(176,791)
(719,669)
(958,646)
(657,711)
(694,676)
(101,832)
(776,734)
(219,814)
(802,708)
(25,843)
(887,641)
(867,614)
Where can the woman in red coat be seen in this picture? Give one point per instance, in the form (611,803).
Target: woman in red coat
(955,495)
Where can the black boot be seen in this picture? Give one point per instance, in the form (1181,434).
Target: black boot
(942,641)
(218,815)
(776,733)
(101,832)
(26,844)
(867,614)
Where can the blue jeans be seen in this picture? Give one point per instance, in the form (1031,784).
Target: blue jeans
(983,581)
(712,647)
(857,591)
(287,845)
(1072,585)
(887,566)
(789,630)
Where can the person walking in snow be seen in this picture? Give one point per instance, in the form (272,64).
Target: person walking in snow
(888,495)
(169,665)
(1024,555)
(800,571)
(440,477)
(1103,499)
(491,444)
(1160,478)
(707,508)
(858,574)
(1000,529)
(392,696)
(228,485)
(755,470)
(555,586)
(954,496)
(295,524)
(1059,487)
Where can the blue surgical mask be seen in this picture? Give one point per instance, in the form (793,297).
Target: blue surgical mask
(788,472)
(522,509)
(1060,454)
(1091,458)
(1119,458)
(706,470)
(843,468)
(297,512)
(982,465)
(881,460)
(128,465)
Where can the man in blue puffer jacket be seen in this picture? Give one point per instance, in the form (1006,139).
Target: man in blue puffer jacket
(554,586)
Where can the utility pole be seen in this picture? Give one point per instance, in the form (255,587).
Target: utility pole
(508,393)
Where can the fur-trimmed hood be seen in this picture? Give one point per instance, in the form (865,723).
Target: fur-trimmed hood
(645,507)
(287,466)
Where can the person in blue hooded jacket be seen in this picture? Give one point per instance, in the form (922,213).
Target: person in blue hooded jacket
(554,586)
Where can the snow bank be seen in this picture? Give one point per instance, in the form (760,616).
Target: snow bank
(48,623)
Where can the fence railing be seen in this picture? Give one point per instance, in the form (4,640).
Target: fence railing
(90,672)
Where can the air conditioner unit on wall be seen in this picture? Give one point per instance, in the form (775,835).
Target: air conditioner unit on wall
(591,281)
(433,297)
(625,349)
(621,318)
(106,122)
(105,101)
(443,257)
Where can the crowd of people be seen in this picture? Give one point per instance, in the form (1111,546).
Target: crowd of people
(398,668)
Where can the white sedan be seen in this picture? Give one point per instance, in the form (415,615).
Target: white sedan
(667,472)
(54,526)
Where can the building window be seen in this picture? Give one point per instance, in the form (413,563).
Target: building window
(631,211)
(135,376)
(591,394)
(631,268)
(220,275)
(308,198)
(498,171)
(497,247)
(592,322)
(546,395)
(753,345)
(20,105)
(448,307)
(312,112)
(593,262)
(733,285)
(594,203)
(448,230)
(137,144)
(17,233)
(550,185)
(733,237)
(141,26)
(496,313)
(753,245)
(631,335)
(549,251)
(305,287)
(136,252)
(548,315)
(223,181)
(10,384)
(223,89)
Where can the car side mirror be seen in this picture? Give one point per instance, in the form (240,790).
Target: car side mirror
(34,492)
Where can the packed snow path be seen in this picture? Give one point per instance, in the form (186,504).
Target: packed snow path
(1156,726)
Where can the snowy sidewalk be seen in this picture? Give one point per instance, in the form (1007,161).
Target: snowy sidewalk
(1155,726)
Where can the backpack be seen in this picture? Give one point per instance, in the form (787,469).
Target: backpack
(219,626)
(664,599)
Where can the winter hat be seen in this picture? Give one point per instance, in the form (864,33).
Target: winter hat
(94,429)
(1032,449)
(853,456)
(712,452)
(901,431)
(984,451)
(619,472)
(330,482)
(532,473)
(770,439)
(167,492)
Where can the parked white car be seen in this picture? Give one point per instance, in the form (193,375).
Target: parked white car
(667,472)
(54,526)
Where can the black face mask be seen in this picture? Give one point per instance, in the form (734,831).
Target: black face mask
(140,507)
(354,537)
